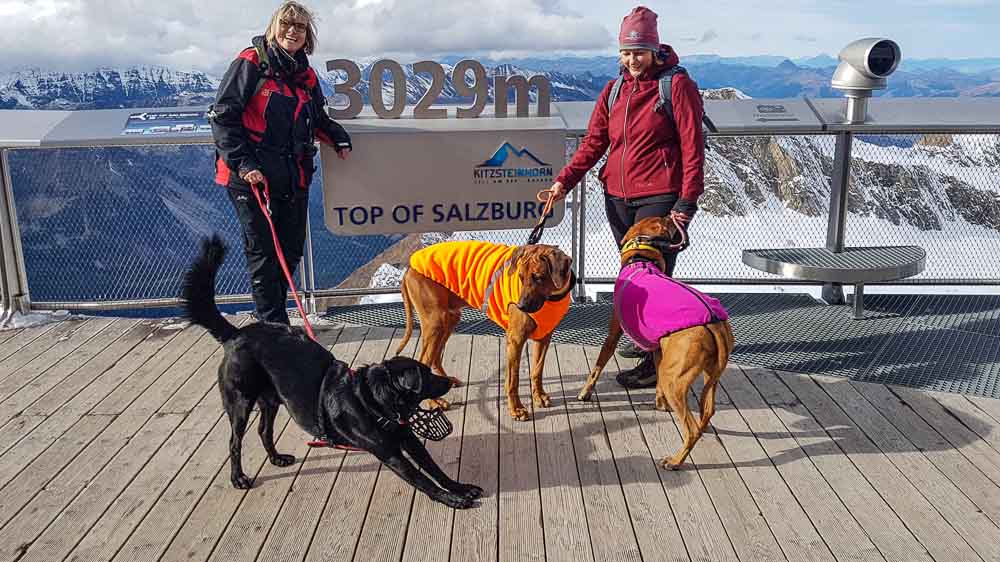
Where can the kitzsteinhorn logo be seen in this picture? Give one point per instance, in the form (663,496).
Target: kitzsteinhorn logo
(508,164)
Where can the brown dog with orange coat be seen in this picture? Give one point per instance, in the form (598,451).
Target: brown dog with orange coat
(524,289)
(687,331)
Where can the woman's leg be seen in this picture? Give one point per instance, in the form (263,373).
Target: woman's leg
(266,278)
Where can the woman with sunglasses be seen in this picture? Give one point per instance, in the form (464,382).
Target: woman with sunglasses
(268,113)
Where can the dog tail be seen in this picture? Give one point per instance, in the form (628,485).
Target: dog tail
(724,342)
(198,290)
(408,313)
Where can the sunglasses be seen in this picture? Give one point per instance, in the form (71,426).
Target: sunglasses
(300,27)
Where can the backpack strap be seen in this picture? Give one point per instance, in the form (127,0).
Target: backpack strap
(615,89)
(264,65)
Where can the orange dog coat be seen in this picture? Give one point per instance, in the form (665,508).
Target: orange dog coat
(478,273)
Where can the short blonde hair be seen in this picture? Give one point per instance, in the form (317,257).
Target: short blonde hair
(292,10)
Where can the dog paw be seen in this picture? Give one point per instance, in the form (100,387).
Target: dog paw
(241,482)
(469,491)
(456,501)
(584,395)
(541,400)
(519,413)
(438,404)
(283,460)
(662,404)
(670,464)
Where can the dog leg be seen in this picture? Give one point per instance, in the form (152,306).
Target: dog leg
(607,350)
(268,403)
(403,468)
(538,350)
(452,319)
(515,345)
(422,457)
(238,409)
(677,395)
(707,400)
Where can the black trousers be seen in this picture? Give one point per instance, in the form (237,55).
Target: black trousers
(623,215)
(268,284)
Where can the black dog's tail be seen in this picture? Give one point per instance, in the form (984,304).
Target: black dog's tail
(198,290)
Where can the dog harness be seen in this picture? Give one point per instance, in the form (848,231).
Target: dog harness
(478,272)
(651,305)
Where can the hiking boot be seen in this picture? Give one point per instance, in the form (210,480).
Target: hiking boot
(642,375)
(627,348)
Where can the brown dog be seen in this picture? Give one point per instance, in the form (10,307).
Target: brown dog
(688,332)
(524,289)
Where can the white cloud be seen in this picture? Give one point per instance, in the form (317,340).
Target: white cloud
(72,34)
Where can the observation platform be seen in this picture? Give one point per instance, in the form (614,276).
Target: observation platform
(114,447)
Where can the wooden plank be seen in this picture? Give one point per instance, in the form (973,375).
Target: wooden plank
(32,535)
(200,533)
(989,405)
(26,336)
(17,401)
(520,523)
(103,524)
(704,534)
(172,509)
(8,333)
(972,416)
(348,501)
(735,473)
(950,462)
(826,514)
(933,528)
(951,427)
(475,535)
(602,488)
(430,527)
(43,343)
(46,364)
(94,458)
(384,531)
(564,518)
(876,517)
(653,520)
(71,400)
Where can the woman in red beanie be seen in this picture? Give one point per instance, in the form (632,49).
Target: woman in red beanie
(655,164)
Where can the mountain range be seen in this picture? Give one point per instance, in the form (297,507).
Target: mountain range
(572,78)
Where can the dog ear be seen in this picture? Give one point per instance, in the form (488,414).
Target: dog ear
(558,268)
(411,380)
(515,260)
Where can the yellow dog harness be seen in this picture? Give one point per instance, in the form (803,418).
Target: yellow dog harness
(479,273)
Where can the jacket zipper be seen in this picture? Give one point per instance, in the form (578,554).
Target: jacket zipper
(628,101)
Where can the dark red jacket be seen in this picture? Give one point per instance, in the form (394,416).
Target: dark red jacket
(274,129)
(647,153)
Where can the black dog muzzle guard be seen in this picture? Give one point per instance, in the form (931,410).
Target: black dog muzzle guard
(430,424)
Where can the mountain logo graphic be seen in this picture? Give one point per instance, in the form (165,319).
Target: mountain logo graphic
(504,152)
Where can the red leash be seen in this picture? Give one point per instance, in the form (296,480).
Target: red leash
(265,206)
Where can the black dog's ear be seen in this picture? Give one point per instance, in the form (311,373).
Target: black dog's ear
(412,380)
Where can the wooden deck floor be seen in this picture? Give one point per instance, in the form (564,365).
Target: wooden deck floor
(113,447)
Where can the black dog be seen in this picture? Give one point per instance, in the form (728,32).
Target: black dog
(271,364)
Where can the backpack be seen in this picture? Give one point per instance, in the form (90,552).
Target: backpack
(665,102)
(264,65)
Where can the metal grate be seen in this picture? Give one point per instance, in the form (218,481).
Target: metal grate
(941,342)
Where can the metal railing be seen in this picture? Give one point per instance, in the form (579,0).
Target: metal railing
(114,227)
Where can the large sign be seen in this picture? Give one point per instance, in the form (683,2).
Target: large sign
(476,86)
(166,123)
(441,179)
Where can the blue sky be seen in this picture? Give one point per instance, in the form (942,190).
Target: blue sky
(195,34)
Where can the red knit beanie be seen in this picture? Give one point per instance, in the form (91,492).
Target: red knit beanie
(639,30)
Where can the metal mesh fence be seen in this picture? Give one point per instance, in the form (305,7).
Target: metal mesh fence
(123,223)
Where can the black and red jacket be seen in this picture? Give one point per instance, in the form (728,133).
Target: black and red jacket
(273,129)
(648,154)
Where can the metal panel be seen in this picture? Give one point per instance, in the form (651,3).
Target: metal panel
(26,128)
(576,115)
(853,265)
(931,115)
(763,117)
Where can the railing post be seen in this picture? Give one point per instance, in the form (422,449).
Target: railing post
(581,263)
(308,269)
(833,293)
(13,281)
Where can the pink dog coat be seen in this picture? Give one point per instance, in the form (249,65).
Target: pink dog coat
(652,305)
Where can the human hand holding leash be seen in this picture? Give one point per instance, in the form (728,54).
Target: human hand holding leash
(558,192)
